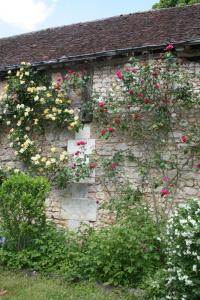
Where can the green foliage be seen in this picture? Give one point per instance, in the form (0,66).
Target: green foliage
(124,204)
(121,254)
(172,3)
(22,209)
(49,251)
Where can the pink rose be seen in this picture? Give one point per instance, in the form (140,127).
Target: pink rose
(169,47)
(164,193)
(81,143)
(119,75)
(184,139)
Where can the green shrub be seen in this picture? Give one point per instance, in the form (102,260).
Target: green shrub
(22,209)
(122,253)
(183,253)
(50,252)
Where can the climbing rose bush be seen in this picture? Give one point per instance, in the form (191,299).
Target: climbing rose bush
(183,253)
(151,104)
(31,103)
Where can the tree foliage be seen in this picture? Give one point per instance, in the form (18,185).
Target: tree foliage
(173,3)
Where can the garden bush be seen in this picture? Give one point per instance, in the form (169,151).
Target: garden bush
(50,252)
(122,253)
(22,209)
(183,253)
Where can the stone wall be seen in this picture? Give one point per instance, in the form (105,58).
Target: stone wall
(78,202)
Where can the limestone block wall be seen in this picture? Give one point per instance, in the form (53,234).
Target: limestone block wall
(79,201)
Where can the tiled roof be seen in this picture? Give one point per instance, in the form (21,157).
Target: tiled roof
(155,27)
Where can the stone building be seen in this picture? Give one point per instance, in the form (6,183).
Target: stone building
(101,47)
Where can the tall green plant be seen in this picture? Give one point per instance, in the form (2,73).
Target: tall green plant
(22,209)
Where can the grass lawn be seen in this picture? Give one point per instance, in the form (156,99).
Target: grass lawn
(21,287)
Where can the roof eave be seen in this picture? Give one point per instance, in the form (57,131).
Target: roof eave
(99,55)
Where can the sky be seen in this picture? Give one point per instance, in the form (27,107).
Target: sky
(21,16)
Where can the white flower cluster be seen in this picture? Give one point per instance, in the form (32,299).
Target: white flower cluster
(183,251)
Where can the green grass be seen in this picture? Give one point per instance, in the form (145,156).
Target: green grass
(21,287)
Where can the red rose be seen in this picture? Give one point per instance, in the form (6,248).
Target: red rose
(113,166)
(198,166)
(92,166)
(169,47)
(140,94)
(165,178)
(101,104)
(119,75)
(155,73)
(81,143)
(164,192)
(110,129)
(131,92)
(146,101)
(103,131)
(157,86)
(183,139)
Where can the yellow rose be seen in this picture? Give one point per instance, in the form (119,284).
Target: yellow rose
(53,149)
(46,111)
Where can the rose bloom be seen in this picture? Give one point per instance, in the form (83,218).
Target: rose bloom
(131,92)
(155,73)
(140,94)
(110,129)
(92,166)
(165,178)
(164,192)
(103,131)
(198,166)
(157,86)
(169,47)
(81,143)
(184,139)
(101,104)
(119,75)
(146,101)
(113,166)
